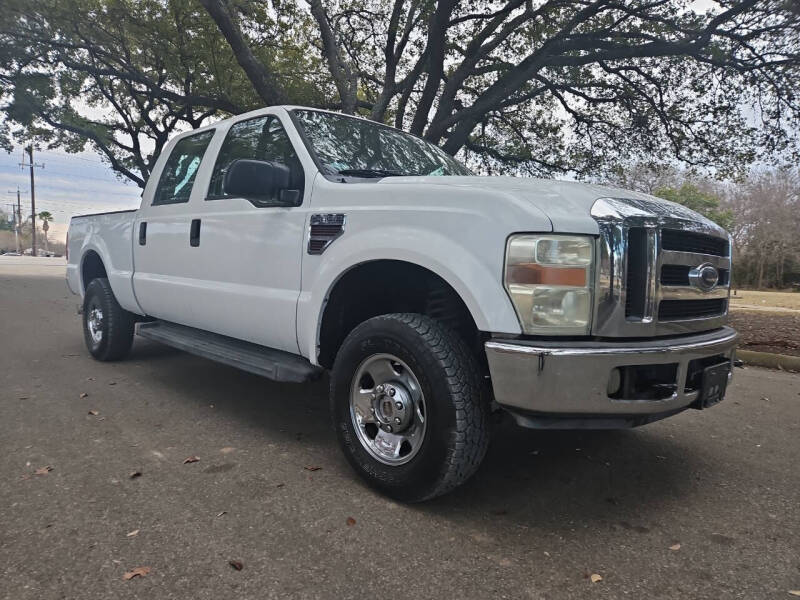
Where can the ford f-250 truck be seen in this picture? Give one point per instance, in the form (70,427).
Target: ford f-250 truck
(290,241)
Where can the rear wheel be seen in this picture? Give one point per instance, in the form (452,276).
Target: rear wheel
(107,327)
(406,403)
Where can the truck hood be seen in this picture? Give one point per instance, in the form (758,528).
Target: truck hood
(567,204)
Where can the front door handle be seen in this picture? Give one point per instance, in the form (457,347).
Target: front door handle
(142,233)
(194,233)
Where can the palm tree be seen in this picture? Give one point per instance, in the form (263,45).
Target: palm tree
(45,216)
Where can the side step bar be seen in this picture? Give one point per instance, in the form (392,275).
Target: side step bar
(267,362)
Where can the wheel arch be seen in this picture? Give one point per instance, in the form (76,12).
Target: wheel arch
(92,267)
(381,286)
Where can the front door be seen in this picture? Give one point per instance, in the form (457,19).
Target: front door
(245,263)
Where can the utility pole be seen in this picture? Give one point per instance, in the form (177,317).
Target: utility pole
(32,165)
(16,210)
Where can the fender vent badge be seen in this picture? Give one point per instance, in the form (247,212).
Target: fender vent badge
(324,229)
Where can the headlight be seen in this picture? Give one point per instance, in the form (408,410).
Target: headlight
(549,280)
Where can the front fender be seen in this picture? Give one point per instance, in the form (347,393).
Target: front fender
(475,276)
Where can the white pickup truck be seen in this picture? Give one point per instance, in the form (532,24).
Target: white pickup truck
(289,241)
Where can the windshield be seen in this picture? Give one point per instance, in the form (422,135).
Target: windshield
(345,145)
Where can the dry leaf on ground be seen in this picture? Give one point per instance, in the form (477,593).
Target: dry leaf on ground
(227,450)
(312,468)
(132,533)
(191,459)
(236,564)
(43,470)
(84,394)
(594,577)
(675,547)
(94,413)
(137,572)
(135,474)
(224,512)
(351,521)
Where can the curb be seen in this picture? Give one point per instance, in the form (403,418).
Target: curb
(770,360)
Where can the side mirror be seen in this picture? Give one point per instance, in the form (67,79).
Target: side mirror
(256,180)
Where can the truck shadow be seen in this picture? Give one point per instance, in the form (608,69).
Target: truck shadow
(554,480)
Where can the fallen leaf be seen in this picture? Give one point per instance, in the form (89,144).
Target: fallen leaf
(594,577)
(112,383)
(312,468)
(133,533)
(351,521)
(94,413)
(191,459)
(43,470)
(280,485)
(236,564)
(84,394)
(137,572)
(227,450)
(224,512)
(675,547)
(135,474)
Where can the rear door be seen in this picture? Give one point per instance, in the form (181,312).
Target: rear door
(161,247)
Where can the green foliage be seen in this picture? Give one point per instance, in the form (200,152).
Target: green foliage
(706,203)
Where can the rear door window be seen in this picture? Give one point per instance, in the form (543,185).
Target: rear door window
(177,178)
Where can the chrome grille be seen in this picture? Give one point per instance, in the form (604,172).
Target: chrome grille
(652,254)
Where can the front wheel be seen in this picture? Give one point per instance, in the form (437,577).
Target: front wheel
(107,327)
(406,404)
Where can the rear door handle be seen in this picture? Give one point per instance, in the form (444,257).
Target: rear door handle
(194,233)
(142,233)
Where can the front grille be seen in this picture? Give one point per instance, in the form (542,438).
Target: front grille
(679,275)
(644,265)
(677,310)
(636,278)
(690,241)
(675,274)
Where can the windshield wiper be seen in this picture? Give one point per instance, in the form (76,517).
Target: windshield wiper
(370,173)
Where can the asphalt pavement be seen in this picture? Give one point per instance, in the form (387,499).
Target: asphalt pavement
(703,505)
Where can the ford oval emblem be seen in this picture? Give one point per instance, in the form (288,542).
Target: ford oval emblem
(704,277)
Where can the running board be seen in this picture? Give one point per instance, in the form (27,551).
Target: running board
(267,362)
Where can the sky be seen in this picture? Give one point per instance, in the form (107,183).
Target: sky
(69,184)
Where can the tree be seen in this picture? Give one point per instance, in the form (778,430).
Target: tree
(119,75)
(45,217)
(529,86)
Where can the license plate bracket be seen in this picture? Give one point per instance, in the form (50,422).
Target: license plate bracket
(713,384)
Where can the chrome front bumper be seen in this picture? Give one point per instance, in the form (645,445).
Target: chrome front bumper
(565,384)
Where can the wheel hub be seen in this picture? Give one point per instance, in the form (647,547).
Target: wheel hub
(387,408)
(393,407)
(94,322)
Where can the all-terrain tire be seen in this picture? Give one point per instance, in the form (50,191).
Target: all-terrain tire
(457,419)
(116,325)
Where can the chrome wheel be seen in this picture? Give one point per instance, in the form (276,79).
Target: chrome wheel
(388,409)
(94,321)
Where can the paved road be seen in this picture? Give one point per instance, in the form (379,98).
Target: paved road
(545,511)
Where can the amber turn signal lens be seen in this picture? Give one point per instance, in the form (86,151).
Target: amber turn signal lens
(532,273)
